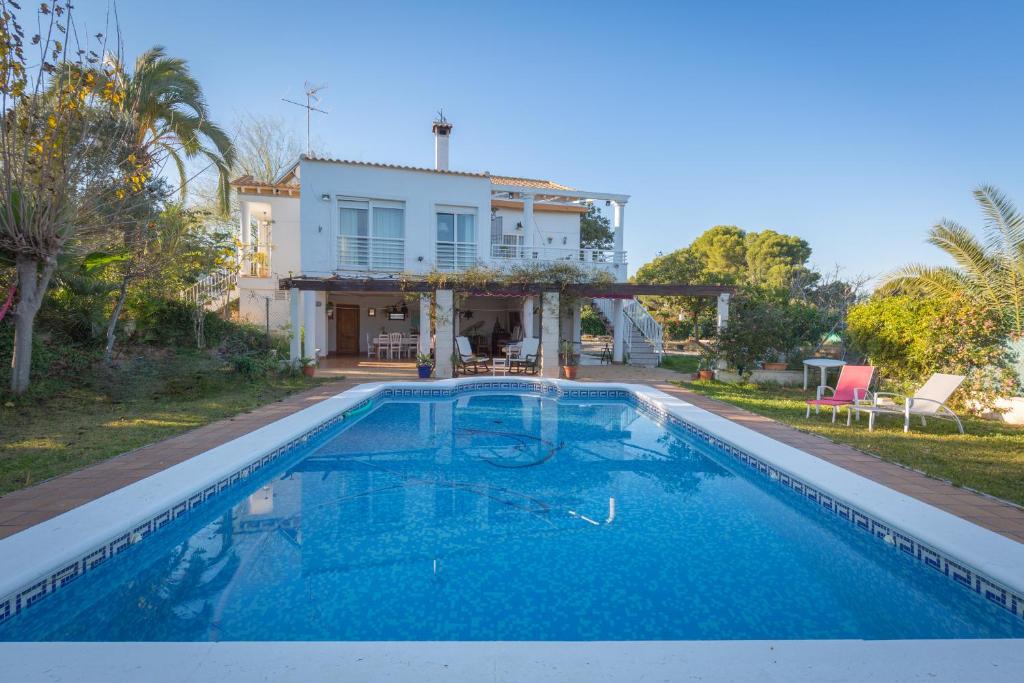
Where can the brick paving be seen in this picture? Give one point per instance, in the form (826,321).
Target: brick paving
(21,509)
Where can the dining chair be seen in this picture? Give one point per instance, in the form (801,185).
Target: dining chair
(371,350)
(383,345)
(395,345)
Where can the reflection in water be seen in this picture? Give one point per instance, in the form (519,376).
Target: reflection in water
(509,517)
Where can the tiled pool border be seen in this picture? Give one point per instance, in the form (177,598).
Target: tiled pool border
(649,401)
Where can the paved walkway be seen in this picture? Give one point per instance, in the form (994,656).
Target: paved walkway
(21,509)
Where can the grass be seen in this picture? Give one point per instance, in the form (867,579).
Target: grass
(988,458)
(680,363)
(109,411)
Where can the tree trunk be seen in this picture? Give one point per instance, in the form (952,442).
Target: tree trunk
(108,352)
(33,280)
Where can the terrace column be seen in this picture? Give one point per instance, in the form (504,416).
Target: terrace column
(528,224)
(723,310)
(577,326)
(443,333)
(294,351)
(424,324)
(549,334)
(528,317)
(309,324)
(245,235)
(618,223)
(618,330)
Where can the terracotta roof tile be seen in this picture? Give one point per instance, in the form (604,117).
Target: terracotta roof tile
(528,182)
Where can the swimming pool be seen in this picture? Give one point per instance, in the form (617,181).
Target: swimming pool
(513,515)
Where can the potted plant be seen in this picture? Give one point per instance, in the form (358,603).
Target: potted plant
(708,362)
(778,364)
(424,365)
(308,366)
(569,359)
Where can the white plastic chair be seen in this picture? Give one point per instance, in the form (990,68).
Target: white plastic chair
(371,350)
(928,401)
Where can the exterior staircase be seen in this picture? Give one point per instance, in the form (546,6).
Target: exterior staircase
(214,292)
(642,341)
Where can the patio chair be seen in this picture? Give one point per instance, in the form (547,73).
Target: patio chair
(852,389)
(526,360)
(928,401)
(469,362)
(372,351)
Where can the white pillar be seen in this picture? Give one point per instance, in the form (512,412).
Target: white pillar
(320,313)
(245,235)
(309,324)
(443,333)
(723,310)
(294,351)
(424,324)
(529,227)
(618,223)
(618,330)
(549,334)
(577,326)
(528,317)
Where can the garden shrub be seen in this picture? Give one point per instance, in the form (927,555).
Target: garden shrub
(591,323)
(763,328)
(910,338)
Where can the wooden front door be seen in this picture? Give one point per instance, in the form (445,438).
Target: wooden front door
(348,328)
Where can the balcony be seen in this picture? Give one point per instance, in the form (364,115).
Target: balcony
(371,253)
(255,260)
(604,259)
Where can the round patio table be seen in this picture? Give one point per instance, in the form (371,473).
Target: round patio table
(824,364)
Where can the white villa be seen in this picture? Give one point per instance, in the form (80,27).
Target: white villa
(331,245)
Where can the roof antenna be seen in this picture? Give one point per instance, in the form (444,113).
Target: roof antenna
(311,96)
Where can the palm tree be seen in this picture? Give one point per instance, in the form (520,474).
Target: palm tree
(172,118)
(171,121)
(989,271)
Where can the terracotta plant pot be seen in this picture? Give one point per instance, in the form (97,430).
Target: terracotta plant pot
(569,371)
(775,366)
(308,370)
(706,374)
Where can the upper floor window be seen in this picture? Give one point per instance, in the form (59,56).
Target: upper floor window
(371,234)
(456,239)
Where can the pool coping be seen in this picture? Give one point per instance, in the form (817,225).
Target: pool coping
(978,558)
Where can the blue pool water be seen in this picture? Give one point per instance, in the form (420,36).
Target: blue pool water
(491,517)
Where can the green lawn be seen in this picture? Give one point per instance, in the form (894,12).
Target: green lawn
(107,412)
(680,363)
(989,457)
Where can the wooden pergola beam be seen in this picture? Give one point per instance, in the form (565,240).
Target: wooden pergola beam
(604,290)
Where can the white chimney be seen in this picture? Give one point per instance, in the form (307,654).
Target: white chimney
(442,133)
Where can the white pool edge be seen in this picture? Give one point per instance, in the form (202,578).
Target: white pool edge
(29,557)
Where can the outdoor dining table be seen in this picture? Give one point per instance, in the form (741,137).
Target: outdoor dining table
(824,364)
(407,344)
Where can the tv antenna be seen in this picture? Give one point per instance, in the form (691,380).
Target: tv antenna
(311,97)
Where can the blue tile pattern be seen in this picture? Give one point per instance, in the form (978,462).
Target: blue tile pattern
(957,571)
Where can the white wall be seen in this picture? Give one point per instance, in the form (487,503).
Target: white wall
(421,191)
(555,225)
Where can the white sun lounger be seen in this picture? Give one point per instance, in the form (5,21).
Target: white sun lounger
(928,401)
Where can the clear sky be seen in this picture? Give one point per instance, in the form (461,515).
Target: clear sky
(853,125)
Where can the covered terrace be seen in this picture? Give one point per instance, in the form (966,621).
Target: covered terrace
(438,313)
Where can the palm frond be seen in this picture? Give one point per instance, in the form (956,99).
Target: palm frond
(1004,223)
(920,279)
(977,264)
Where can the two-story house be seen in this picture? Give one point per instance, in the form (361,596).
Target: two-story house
(325,245)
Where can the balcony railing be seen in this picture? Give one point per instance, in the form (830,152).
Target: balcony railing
(371,253)
(255,260)
(456,255)
(514,252)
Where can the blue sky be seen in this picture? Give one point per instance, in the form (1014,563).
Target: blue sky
(853,125)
